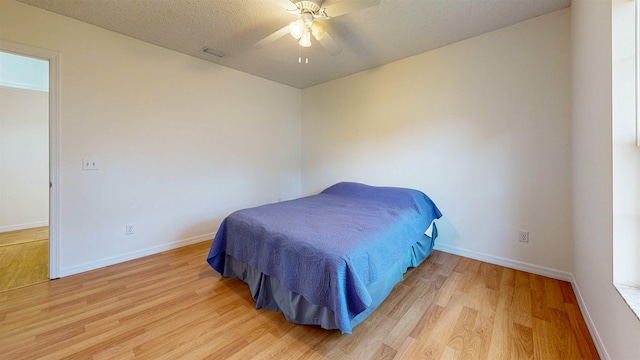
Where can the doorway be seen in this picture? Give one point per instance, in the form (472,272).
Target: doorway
(28,166)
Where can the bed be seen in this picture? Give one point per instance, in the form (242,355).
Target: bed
(329,259)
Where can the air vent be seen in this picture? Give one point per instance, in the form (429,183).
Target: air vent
(215,53)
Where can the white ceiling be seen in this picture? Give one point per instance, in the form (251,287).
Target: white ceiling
(393,30)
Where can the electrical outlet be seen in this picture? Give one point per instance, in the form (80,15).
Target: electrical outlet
(523,236)
(130,229)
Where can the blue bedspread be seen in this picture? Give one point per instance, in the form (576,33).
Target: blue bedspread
(329,246)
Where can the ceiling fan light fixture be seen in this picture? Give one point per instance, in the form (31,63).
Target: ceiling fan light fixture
(305,40)
(309,11)
(296,28)
(318,30)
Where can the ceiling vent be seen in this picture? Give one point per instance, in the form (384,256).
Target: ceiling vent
(209,51)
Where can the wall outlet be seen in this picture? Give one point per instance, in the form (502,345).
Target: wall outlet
(523,236)
(130,229)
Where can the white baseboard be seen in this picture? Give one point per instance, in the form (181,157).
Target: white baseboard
(513,264)
(595,335)
(134,255)
(32,225)
(538,270)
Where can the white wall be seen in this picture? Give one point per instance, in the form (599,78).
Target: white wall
(482,126)
(181,142)
(24,158)
(615,325)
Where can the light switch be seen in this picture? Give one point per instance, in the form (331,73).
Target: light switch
(89,164)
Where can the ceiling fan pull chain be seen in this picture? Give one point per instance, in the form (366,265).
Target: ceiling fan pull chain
(306,59)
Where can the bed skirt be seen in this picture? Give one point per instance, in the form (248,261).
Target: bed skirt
(269,293)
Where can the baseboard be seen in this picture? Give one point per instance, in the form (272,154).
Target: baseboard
(538,270)
(134,255)
(513,264)
(595,335)
(32,225)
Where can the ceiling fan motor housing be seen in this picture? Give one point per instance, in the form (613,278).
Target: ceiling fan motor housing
(308,6)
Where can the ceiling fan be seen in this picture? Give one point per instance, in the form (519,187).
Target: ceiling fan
(309,12)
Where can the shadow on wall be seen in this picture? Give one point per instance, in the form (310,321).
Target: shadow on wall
(447,233)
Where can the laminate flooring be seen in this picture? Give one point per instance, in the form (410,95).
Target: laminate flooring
(24,257)
(172,305)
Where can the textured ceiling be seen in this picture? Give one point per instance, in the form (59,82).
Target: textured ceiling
(390,31)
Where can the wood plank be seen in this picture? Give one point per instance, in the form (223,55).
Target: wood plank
(462,330)
(522,340)
(500,344)
(24,236)
(521,306)
(24,264)
(415,310)
(24,257)
(581,332)
(385,352)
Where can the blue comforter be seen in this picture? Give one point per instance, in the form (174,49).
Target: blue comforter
(329,246)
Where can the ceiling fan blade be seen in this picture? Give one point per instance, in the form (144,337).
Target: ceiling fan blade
(331,45)
(271,38)
(345,7)
(286,4)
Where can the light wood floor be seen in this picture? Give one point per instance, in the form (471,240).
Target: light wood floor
(174,306)
(24,257)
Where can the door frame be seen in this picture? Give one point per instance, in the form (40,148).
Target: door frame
(54,114)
